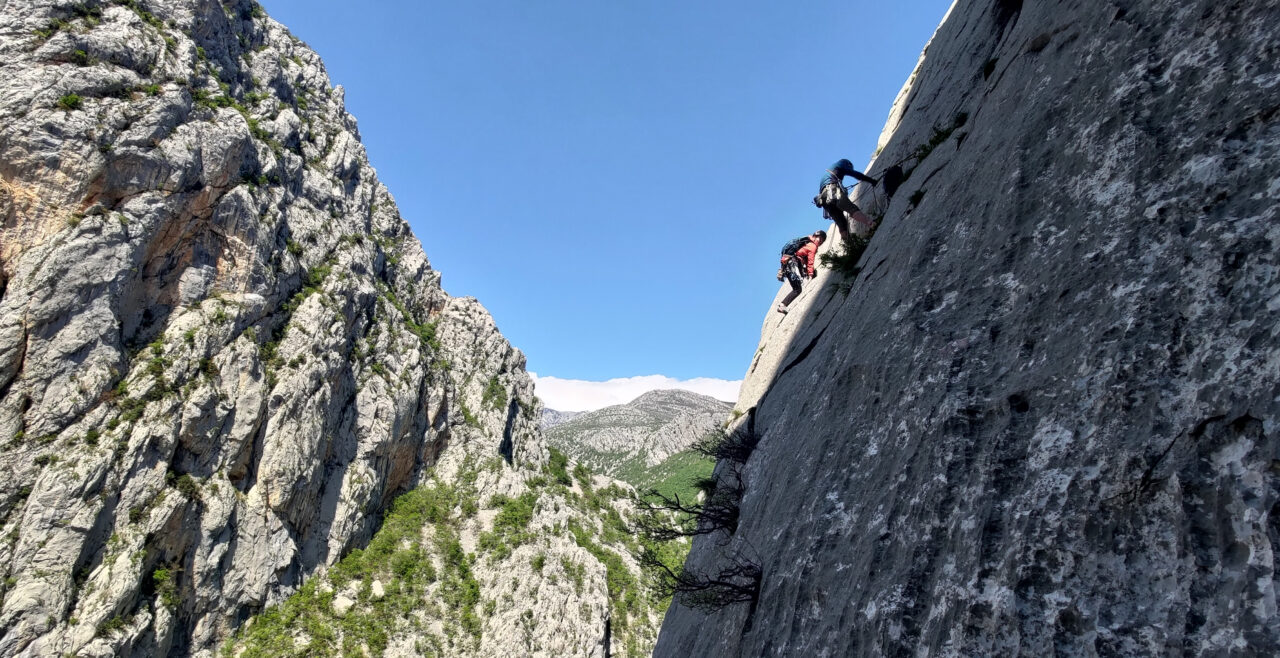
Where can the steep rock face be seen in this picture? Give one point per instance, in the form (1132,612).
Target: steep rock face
(484,561)
(1043,420)
(222,352)
(485,558)
(648,429)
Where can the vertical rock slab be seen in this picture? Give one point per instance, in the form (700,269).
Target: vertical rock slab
(1043,420)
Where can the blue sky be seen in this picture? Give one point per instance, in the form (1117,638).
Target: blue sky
(613,180)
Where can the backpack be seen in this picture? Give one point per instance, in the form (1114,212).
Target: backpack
(790,248)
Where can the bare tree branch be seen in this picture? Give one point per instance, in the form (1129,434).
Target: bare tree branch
(664,518)
(738,582)
(735,446)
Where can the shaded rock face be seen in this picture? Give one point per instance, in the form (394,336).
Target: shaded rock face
(648,429)
(1043,421)
(222,351)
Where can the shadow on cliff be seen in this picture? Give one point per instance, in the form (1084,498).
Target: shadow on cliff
(804,413)
(726,576)
(1051,377)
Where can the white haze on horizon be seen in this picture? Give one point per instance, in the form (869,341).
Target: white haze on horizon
(582,395)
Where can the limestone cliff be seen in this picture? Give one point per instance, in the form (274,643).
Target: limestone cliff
(1042,419)
(223,354)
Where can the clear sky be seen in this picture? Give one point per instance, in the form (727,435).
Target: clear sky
(613,179)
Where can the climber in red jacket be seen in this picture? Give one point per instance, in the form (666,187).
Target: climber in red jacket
(798,258)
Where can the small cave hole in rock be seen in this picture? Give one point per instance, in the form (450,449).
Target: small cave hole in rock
(1006,12)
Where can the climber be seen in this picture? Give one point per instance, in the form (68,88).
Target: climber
(798,258)
(834,200)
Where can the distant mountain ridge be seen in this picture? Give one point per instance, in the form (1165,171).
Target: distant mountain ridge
(640,434)
(550,417)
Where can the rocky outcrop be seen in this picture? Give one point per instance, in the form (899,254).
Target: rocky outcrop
(483,560)
(222,352)
(647,430)
(1042,419)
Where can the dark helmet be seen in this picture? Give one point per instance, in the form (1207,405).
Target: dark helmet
(822,235)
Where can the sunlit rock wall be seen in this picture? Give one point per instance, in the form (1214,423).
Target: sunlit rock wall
(222,351)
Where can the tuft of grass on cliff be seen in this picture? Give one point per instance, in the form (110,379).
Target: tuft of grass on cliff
(427,575)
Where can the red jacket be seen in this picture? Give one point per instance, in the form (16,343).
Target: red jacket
(807,254)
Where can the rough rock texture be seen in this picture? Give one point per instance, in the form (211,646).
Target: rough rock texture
(552,595)
(648,429)
(558,578)
(482,559)
(222,351)
(1043,421)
